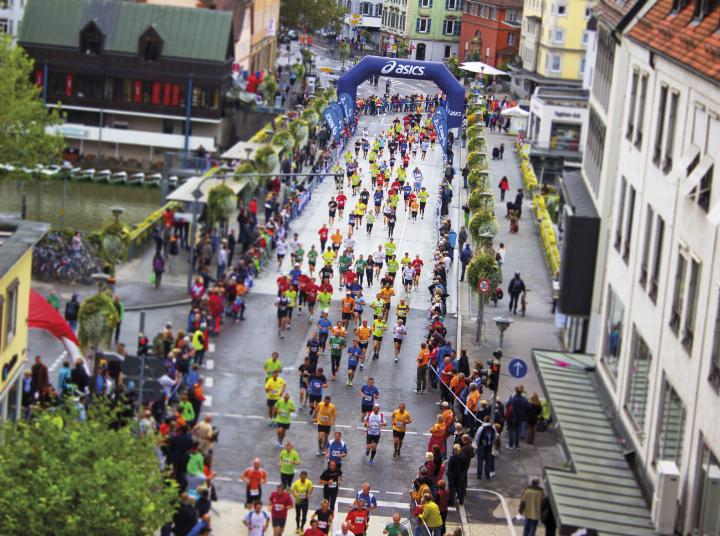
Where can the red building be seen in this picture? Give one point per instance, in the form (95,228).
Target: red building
(490,31)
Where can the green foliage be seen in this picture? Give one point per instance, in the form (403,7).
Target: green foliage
(283,139)
(475,131)
(483,221)
(478,179)
(312,15)
(221,202)
(319,104)
(311,116)
(268,87)
(484,265)
(243,169)
(23,118)
(477,160)
(344,51)
(454,67)
(300,130)
(481,200)
(266,159)
(66,477)
(299,70)
(477,143)
(97,320)
(114,241)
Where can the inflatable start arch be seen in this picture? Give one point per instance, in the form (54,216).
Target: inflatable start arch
(408,69)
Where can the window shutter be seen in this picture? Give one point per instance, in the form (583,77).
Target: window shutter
(457,27)
(429,22)
(417,25)
(447,4)
(430,5)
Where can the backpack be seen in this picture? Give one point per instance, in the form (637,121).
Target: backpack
(487,437)
(509,413)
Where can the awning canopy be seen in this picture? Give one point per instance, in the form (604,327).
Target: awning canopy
(243,150)
(515,111)
(184,193)
(482,68)
(600,491)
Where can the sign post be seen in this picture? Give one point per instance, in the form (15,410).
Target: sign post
(483,287)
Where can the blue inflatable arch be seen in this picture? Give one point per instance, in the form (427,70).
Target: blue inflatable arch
(412,70)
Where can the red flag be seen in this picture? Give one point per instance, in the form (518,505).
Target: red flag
(42,315)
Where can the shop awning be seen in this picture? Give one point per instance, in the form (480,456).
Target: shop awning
(184,192)
(599,490)
(482,68)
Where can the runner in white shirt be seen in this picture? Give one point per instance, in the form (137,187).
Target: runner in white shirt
(281,249)
(374,422)
(399,334)
(408,277)
(257,520)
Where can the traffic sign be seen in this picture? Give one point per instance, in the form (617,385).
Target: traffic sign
(483,285)
(517,368)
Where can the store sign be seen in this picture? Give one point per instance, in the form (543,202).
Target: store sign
(573,115)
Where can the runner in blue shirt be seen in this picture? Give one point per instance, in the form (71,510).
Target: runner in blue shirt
(324,325)
(354,356)
(316,383)
(337,450)
(369,394)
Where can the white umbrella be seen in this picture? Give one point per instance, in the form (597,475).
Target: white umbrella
(515,111)
(482,68)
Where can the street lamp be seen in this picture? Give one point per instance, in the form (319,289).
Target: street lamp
(66,168)
(117,212)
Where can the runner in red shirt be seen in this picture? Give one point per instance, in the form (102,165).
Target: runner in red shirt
(323,232)
(314,530)
(417,263)
(254,477)
(302,296)
(357,518)
(280,503)
(283,284)
(311,293)
(350,278)
(341,198)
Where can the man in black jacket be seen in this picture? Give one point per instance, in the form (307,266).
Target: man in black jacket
(516,416)
(515,289)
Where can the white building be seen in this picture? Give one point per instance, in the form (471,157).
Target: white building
(651,165)
(11,14)
(363,22)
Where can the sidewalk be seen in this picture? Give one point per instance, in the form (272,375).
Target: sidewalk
(535,330)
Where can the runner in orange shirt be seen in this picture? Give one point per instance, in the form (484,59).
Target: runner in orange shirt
(423,359)
(347,306)
(363,333)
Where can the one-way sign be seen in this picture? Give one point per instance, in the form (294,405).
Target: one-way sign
(517,368)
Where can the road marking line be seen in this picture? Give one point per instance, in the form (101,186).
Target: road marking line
(211,347)
(209,382)
(210,364)
(508,517)
(57,361)
(208,401)
(385,504)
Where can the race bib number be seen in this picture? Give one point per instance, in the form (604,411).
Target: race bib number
(254,492)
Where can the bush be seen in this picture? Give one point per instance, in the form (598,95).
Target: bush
(243,169)
(300,130)
(477,160)
(311,116)
(283,139)
(478,179)
(482,222)
(266,159)
(484,265)
(477,144)
(475,131)
(97,319)
(481,200)
(319,104)
(221,202)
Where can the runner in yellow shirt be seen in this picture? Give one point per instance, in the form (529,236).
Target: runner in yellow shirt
(325,415)
(400,419)
(301,490)
(379,327)
(274,387)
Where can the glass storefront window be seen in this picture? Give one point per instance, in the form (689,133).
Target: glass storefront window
(639,380)
(708,499)
(672,426)
(612,344)
(565,136)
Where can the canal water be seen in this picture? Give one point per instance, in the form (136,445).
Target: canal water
(87,204)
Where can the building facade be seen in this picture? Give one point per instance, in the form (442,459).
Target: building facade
(490,31)
(393,25)
(11,14)
(433,28)
(363,23)
(17,238)
(658,341)
(553,43)
(264,23)
(135,90)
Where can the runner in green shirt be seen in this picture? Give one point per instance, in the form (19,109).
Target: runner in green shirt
(299,255)
(393,265)
(312,258)
(282,410)
(378,308)
(344,263)
(289,458)
(272,364)
(423,197)
(360,265)
(337,343)
(291,295)
(390,248)
(395,528)
(323,301)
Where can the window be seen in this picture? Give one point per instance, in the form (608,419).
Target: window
(5,27)
(588,12)
(584,38)
(629,224)
(11,300)
(554,62)
(168,126)
(672,424)
(511,39)
(378,10)
(702,8)
(677,5)
(690,312)
(595,148)
(657,258)
(714,375)
(453,5)
(512,15)
(150,45)
(422,25)
(708,520)
(704,189)
(562,8)
(620,214)
(582,65)
(649,217)
(365,8)
(425,3)
(657,150)
(638,380)
(678,293)
(641,111)
(670,136)
(559,35)
(451,27)
(447,51)
(633,101)
(612,345)
(91,39)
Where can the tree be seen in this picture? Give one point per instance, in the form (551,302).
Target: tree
(97,319)
(24,141)
(64,476)
(312,15)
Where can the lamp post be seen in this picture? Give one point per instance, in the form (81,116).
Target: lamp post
(502,323)
(66,168)
(485,238)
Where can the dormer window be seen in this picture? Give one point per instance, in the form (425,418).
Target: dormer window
(91,39)
(150,45)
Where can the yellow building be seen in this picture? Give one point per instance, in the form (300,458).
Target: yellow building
(17,239)
(264,26)
(553,43)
